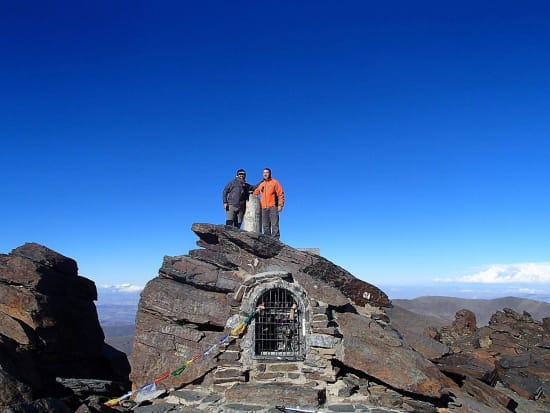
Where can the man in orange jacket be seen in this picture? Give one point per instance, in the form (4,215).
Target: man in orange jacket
(272,201)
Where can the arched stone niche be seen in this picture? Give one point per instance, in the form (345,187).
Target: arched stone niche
(280,327)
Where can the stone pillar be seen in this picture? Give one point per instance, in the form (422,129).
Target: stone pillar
(252,219)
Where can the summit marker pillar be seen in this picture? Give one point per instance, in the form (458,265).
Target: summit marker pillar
(252,219)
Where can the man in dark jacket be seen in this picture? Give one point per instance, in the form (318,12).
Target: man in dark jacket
(234,196)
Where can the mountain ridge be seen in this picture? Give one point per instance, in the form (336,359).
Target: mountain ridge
(444,308)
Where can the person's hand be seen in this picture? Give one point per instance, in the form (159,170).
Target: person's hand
(225,206)
(279,208)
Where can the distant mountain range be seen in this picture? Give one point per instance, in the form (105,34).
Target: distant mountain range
(120,337)
(119,325)
(537,292)
(116,314)
(116,309)
(442,310)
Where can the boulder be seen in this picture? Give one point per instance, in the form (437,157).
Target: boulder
(511,350)
(382,353)
(49,328)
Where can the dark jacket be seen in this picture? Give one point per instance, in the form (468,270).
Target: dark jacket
(236,193)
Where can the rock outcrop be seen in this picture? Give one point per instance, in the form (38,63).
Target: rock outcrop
(347,348)
(512,353)
(50,336)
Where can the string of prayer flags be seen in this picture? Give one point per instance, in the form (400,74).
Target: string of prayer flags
(150,388)
(114,402)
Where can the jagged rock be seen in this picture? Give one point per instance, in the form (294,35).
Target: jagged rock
(488,395)
(49,328)
(522,360)
(478,364)
(381,352)
(513,333)
(463,327)
(255,253)
(527,374)
(465,322)
(432,333)
(426,345)
(510,350)
(91,387)
(475,398)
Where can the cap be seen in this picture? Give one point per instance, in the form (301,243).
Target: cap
(241,171)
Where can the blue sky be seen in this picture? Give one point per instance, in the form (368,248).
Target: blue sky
(411,138)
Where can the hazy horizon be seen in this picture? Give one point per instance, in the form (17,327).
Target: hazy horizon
(127,294)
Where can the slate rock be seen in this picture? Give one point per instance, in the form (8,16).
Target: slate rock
(49,328)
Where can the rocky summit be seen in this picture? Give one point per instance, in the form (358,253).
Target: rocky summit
(315,335)
(245,323)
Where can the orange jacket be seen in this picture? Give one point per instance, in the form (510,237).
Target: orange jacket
(271,192)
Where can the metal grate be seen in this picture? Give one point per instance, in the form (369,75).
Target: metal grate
(278,326)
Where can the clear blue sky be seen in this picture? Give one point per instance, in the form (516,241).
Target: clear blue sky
(412,138)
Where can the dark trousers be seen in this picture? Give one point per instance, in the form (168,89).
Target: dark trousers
(270,222)
(234,216)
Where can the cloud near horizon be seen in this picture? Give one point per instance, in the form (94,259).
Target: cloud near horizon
(123,288)
(520,273)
